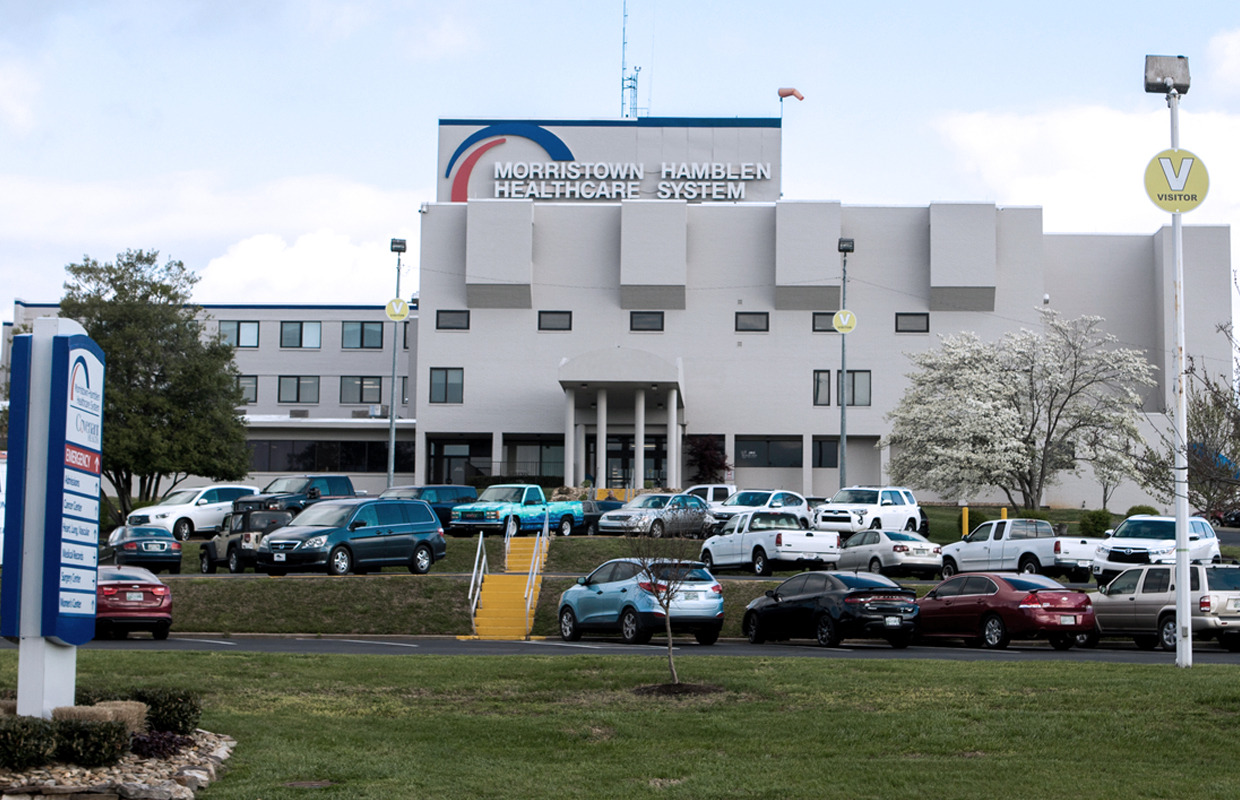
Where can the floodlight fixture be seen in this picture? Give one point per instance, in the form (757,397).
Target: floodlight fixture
(846,245)
(398,245)
(1165,73)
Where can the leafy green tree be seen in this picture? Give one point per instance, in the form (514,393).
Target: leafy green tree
(171,396)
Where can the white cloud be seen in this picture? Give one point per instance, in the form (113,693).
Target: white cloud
(18,89)
(1223,56)
(446,38)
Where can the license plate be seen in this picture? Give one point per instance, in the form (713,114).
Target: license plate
(277,556)
(134,597)
(891,622)
(690,595)
(919,552)
(1084,563)
(1067,619)
(152,547)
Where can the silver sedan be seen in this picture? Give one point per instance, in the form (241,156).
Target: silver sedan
(657,515)
(891,551)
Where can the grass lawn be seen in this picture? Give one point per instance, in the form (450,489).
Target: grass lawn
(571,726)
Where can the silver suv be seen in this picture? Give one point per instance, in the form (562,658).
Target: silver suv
(1140,603)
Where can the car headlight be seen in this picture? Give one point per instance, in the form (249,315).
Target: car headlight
(861,512)
(1162,551)
(1102,551)
(263,546)
(314,543)
(455,515)
(164,515)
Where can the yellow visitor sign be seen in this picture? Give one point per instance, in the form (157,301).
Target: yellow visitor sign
(397,310)
(1176,180)
(844,321)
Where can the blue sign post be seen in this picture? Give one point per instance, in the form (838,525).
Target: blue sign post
(52,513)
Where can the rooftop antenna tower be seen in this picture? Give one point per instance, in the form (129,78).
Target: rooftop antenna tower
(628,83)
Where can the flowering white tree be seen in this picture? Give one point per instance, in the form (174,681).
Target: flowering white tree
(1016,413)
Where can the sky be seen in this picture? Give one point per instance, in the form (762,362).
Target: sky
(276,147)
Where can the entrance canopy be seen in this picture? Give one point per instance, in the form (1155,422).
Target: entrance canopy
(621,370)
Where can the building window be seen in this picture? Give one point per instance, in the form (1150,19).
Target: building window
(239,334)
(645,320)
(447,385)
(752,322)
(856,390)
(301,334)
(361,335)
(826,454)
(404,389)
(824,322)
(299,388)
(361,389)
(768,452)
(452,320)
(555,320)
(822,387)
(280,455)
(405,336)
(248,384)
(912,323)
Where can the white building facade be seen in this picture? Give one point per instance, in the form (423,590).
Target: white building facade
(643,281)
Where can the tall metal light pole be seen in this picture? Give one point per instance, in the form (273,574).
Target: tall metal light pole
(398,247)
(1169,75)
(846,246)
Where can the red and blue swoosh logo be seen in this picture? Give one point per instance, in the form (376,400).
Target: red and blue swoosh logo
(78,363)
(548,141)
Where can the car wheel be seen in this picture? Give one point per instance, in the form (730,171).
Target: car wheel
(234,561)
(160,633)
(708,560)
(876,566)
(1230,642)
(1029,565)
(1087,640)
(877,524)
(511,527)
(753,629)
(827,632)
(568,626)
(422,560)
(656,529)
(1062,641)
(761,566)
(631,629)
(911,525)
(994,633)
(592,529)
(706,637)
(949,568)
(174,569)
(900,641)
(205,565)
(1145,642)
(183,530)
(566,526)
(1166,632)
(340,562)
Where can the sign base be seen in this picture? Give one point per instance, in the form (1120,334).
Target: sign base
(46,676)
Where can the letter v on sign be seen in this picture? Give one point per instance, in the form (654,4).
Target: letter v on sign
(1176,181)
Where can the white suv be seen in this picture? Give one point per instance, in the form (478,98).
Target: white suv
(859,507)
(188,510)
(1144,539)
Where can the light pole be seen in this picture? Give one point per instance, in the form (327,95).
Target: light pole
(398,247)
(1169,75)
(846,246)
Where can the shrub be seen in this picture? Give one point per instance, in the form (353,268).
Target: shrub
(89,743)
(1032,513)
(8,707)
(161,744)
(1096,523)
(976,518)
(1141,510)
(26,742)
(170,709)
(90,696)
(130,712)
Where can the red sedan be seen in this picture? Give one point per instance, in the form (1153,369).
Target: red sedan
(991,609)
(131,599)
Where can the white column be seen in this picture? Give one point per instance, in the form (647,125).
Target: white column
(497,453)
(570,435)
(600,450)
(673,440)
(639,438)
(579,468)
(807,464)
(420,472)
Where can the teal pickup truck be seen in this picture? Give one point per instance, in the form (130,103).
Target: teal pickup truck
(514,507)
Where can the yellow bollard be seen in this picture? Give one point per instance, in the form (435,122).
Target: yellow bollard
(1003,513)
(964,521)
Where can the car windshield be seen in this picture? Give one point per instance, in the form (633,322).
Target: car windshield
(159,533)
(763,522)
(408,492)
(649,501)
(502,494)
(747,499)
(324,515)
(688,573)
(287,486)
(181,498)
(867,497)
(1030,584)
(864,581)
(898,536)
(1146,529)
(1223,580)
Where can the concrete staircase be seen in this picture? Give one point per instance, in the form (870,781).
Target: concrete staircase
(501,606)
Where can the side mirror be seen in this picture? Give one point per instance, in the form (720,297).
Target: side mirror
(1102,589)
(1108,532)
(931,595)
(202,501)
(313,493)
(582,582)
(355,524)
(777,504)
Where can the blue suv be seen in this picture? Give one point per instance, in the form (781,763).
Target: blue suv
(355,535)
(618,598)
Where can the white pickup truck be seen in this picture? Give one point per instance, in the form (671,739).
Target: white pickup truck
(760,539)
(1025,545)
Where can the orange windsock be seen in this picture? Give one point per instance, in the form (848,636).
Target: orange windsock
(790,92)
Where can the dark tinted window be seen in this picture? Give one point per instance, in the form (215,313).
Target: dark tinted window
(1132,528)
(625,570)
(816,583)
(686,574)
(793,586)
(978,585)
(646,320)
(912,323)
(950,588)
(1156,580)
(1125,583)
(368,515)
(389,514)
(419,512)
(1027,583)
(603,574)
(864,581)
(452,320)
(1223,580)
(555,320)
(752,321)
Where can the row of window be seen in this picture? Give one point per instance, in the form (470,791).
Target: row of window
(746,321)
(777,451)
(354,389)
(309,335)
(267,455)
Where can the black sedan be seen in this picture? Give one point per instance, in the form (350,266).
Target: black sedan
(832,606)
(137,546)
(593,510)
